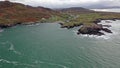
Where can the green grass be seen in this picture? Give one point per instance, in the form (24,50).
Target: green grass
(55,18)
(89,18)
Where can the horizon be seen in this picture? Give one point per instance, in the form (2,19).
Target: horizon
(70,3)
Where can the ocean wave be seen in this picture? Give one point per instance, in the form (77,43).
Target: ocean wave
(34,24)
(12,48)
(48,63)
(95,36)
(58,65)
(1,30)
(15,63)
(10,62)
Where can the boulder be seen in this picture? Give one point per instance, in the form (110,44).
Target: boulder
(93,29)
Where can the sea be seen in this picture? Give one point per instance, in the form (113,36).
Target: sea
(46,45)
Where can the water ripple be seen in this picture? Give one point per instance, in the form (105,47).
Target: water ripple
(15,63)
(48,63)
(11,47)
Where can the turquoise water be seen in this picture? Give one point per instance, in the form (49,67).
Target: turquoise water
(49,46)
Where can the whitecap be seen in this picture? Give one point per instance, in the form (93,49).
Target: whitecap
(34,24)
(30,25)
(11,48)
(10,62)
(115,28)
(102,37)
(48,63)
(15,63)
(1,30)
(58,65)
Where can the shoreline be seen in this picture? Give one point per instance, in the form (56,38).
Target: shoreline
(93,29)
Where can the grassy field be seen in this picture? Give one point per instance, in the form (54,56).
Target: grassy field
(89,18)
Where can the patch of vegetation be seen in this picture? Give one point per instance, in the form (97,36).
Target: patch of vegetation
(56,18)
(90,18)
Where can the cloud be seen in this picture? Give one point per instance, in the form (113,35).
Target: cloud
(69,3)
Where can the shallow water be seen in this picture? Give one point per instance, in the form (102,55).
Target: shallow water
(49,46)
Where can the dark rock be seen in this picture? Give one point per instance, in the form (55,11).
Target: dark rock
(61,23)
(100,33)
(114,19)
(97,21)
(5,26)
(68,26)
(108,22)
(93,29)
(107,26)
(78,33)
(76,25)
(107,30)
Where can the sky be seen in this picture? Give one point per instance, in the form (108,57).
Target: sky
(69,3)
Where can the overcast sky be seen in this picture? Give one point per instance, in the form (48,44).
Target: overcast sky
(69,3)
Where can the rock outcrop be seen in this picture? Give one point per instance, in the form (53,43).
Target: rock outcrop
(93,29)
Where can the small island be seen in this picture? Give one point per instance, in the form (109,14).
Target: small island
(12,14)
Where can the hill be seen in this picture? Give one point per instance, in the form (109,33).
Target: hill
(17,13)
(75,10)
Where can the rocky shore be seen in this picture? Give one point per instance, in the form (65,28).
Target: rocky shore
(19,23)
(93,28)
(68,27)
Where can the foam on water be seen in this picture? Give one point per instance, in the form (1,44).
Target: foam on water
(49,63)
(13,49)
(15,63)
(1,30)
(115,26)
(34,24)
(10,62)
